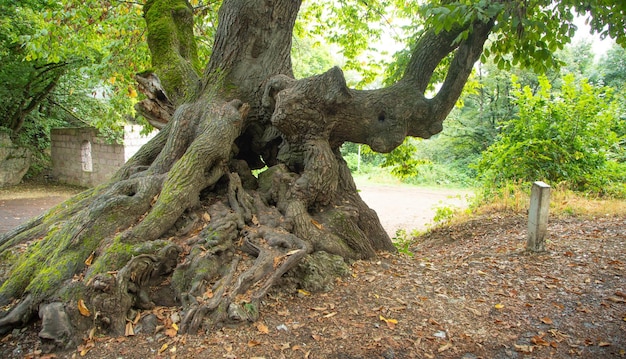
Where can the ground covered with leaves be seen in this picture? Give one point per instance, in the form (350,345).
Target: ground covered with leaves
(469,291)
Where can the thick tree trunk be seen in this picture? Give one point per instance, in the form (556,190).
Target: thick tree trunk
(185,223)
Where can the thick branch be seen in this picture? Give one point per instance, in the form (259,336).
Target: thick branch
(173,47)
(460,69)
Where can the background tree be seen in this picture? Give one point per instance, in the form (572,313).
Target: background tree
(186,219)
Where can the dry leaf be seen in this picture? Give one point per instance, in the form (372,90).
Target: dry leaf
(330,315)
(206,217)
(604,344)
(209,293)
(171,332)
(539,341)
(89,259)
(444,347)
(546,320)
(137,318)
(391,323)
(253,343)
(163,348)
(527,349)
(499,306)
(82,349)
(255,220)
(262,328)
(317,224)
(82,308)
(129,331)
(303,292)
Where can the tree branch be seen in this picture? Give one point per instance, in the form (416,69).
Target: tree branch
(173,47)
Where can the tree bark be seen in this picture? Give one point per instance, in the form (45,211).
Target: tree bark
(186,216)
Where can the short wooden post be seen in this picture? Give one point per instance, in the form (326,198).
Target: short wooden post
(538,217)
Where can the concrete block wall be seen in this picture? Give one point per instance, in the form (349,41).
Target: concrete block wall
(133,140)
(81,158)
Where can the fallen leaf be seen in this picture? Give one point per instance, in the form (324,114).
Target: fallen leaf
(539,341)
(137,318)
(83,349)
(89,259)
(499,306)
(524,348)
(171,332)
(604,344)
(255,220)
(262,328)
(444,347)
(330,315)
(163,348)
(317,224)
(303,292)
(129,330)
(391,323)
(206,217)
(546,320)
(209,293)
(82,308)
(253,343)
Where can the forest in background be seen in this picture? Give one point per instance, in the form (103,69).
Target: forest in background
(566,127)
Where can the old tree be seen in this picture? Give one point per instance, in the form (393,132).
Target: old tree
(186,223)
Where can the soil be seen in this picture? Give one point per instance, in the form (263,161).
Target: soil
(468,290)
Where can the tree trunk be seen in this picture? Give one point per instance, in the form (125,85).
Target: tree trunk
(185,223)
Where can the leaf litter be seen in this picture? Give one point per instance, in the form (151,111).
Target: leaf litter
(469,291)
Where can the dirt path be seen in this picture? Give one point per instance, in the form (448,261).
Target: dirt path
(409,208)
(398,207)
(22,202)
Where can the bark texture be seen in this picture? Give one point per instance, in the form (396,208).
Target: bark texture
(185,223)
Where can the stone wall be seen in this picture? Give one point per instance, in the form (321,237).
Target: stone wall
(80,157)
(14,161)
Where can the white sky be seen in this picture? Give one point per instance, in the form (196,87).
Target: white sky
(598,46)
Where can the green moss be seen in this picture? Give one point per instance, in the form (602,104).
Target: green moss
(114,257)
(171,39)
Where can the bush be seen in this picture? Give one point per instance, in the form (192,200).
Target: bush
(564,138)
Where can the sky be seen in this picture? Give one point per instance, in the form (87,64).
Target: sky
(599,47)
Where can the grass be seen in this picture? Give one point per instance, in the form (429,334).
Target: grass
(562,203)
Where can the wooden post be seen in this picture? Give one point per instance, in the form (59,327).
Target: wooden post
(538,217)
